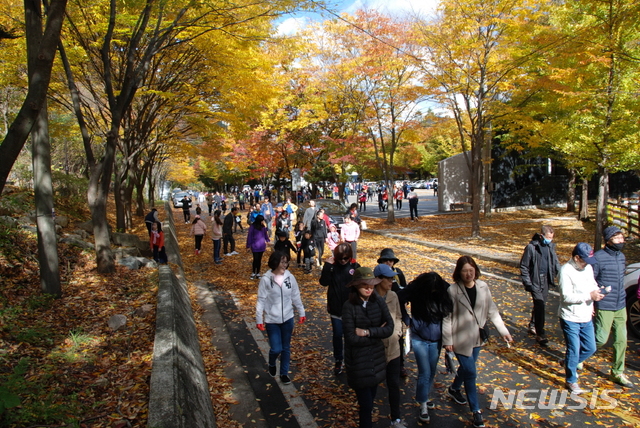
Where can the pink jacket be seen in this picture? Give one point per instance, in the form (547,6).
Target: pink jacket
(199,228)
(350,231)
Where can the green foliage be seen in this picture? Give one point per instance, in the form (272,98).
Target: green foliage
(11,385)
(68,186)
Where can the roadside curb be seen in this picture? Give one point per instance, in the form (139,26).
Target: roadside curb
(505,259)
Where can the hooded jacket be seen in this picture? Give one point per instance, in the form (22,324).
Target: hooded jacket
(336,276)
(530,264)
(275,303)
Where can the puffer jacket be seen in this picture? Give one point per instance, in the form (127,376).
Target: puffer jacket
(365,357)
(609,271)
(199,228)
(530,264)
(336,277)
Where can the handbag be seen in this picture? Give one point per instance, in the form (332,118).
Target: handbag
(449,361)
(363,225)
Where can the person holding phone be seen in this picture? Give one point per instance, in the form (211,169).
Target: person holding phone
(578,291)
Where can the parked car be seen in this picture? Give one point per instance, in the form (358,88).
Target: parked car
(332,207)
(631,284)
(177,199)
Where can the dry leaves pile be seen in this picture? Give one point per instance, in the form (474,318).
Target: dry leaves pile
(59,357)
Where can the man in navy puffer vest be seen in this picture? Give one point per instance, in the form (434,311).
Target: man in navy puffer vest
(611,310)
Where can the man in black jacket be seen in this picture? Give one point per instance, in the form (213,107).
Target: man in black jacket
(538,268)
(227,232)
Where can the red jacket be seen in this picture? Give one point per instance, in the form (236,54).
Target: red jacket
(159,240)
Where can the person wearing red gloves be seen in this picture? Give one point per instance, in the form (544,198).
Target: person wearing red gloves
(278,294)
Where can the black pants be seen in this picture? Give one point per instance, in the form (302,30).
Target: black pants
(393,386)
(210,208)
(227,239)
(363,205)
(257,261)
(199,241)
(187,215)
(539,296)
(366,397)
(398,204)
(320,248)
(413,209)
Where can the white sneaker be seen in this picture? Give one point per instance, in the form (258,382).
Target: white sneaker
(228,254)
(233,253)
(398,423)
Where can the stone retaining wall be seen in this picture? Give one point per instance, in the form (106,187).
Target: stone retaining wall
(179,392)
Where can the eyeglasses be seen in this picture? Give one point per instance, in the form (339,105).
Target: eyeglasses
(344,259)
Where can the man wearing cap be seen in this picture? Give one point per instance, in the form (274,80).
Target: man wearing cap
(611,312)
(538,268)
(578,292)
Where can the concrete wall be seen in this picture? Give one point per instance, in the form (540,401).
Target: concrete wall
(179,392)
(453,181)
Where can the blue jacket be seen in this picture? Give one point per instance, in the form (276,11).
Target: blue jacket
(609,270)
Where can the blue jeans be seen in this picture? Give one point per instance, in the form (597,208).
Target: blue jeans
(580,340)
(280,344)
(338,339)
(216,250)
(467,374)
(427,355)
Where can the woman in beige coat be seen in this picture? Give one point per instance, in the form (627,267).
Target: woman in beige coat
(472,307)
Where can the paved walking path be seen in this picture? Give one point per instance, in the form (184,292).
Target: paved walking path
(263,401)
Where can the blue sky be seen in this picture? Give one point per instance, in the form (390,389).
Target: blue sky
(293,23)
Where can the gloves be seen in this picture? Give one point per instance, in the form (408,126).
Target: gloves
(260,327)
(302,320)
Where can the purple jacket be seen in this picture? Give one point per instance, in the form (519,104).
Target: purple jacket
(257,239)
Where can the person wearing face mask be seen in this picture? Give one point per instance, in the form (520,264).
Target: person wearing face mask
(578,291)
(538,268)
(611,315)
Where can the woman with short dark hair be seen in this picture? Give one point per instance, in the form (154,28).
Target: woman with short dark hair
(278,294)
(472,307)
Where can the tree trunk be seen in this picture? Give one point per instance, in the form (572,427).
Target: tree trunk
(571,191)
(486,163)
(118,193)
(476,184)
(584,200)
(41,158)
(97,197)
(140,198)
(36,96)
(601,206)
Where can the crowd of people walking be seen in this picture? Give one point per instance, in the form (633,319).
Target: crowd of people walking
(373,309)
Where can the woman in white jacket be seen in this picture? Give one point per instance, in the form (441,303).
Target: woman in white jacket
(278,294)
(578,291)
(472,307)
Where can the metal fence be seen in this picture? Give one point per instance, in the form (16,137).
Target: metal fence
(623,212)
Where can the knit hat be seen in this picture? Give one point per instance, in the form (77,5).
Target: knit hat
(585,252)
(362,276)
(387,254)
(610,232)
